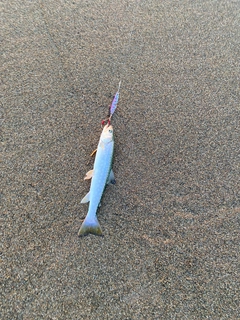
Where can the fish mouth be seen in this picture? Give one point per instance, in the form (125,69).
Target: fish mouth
(108,127)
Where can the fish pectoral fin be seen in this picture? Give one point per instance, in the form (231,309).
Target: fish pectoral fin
(89,175)
(111,178)
(86,198)
(94,151)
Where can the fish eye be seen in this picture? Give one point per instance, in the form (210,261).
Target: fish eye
(110,131)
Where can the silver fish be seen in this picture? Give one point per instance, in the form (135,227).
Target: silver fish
(101,175)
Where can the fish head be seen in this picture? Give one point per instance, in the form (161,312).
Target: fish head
(107,134)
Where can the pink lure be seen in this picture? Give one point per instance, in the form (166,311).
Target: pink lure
(113,106)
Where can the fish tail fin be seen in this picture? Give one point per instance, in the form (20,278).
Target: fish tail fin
(90,225)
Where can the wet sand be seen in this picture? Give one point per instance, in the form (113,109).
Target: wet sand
(171,223)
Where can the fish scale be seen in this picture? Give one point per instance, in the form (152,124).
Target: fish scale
(101,175)
(101,171)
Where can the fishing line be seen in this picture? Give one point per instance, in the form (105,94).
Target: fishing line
(124,69)
(113,105)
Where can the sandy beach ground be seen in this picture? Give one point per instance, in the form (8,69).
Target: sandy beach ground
(171,223)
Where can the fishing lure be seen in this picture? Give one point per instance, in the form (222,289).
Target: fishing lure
(112,107)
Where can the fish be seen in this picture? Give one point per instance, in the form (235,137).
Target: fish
(101,175)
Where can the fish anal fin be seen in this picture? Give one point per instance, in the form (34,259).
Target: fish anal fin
(111,178)
(86,198)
